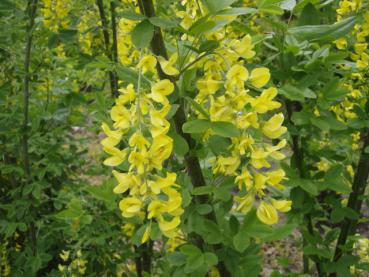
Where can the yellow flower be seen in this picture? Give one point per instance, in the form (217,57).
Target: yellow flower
(113,137)
(275,177)
(64,255)
(138,160)
(265,102)
(245,203)
(273,127)
(208,86)
(226,165)
(125,181)
(130,206)
(244,47)
(341,43)
(128,229)
(160,126)
(160,150)
(168,227)
(260,77)
(146,234)
(138,140)
(167,66)
(244,179)
(155,209)
(282,205)
(267,213)
(118,156)
(128,94)
(121,117)
(147,64)
(237,73)
(160,90)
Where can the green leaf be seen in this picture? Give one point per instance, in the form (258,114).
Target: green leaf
(324,32)
(241,241)
(288,5)
(291,92)
(197,107)
(320,123)
(280,232)
(217,5)
(202,190)
(201,26)
(307,185)
(219,145)
(177,258)
(132,15)
(237,11)
(142,34)
(180,145)
(210,259)
(208,45)
(73,211)
(270,6)
(204,209)
(196,126)
(163,23)
(190,250)
(225,129)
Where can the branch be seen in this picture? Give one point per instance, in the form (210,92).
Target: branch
(191,161)
(348,226)
(105,28)
(31,9)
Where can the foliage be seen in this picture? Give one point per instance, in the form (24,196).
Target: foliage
(228,126)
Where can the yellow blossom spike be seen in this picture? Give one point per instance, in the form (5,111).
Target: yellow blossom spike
(282,205)
(160,90)
(260,77)
(267,213)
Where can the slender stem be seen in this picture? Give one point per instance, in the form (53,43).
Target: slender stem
(114,46)
(191,161)
(348,226)
(298,155)
(31,9)
(105,28)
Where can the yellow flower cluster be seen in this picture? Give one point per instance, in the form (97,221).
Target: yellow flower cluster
(140,127)
(76,267)
(55,14)
(233,93)
(127,53)
(361,249)
(85,36)
(4,263)
(357,47)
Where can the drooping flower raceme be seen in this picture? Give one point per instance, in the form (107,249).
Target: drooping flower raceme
(139,139)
